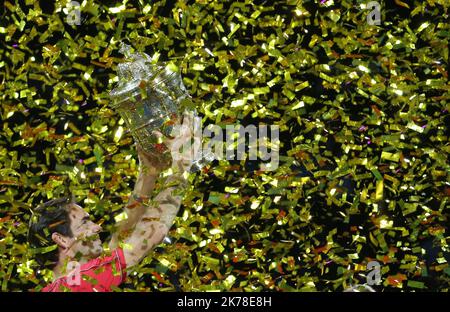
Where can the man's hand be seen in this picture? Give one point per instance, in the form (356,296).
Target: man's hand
(183,144)
(149,163)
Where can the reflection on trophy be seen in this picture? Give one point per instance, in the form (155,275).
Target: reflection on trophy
(150,97)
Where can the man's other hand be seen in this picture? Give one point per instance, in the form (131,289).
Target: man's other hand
(183,144)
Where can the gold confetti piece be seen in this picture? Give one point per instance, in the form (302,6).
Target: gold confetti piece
(411,125)
(390,156)
(401,3)
(379,190)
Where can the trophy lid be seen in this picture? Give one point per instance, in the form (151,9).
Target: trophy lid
(161,79)
(131,73)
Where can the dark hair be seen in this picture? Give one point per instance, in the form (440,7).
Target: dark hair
(47,219)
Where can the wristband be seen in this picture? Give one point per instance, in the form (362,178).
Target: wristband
(137,201)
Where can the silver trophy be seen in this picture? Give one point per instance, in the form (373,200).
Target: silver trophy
(151,97)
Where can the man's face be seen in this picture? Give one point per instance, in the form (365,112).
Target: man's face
(86,241)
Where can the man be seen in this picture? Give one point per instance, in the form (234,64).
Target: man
(68,240)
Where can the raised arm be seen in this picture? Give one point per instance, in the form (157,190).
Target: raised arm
(160,211)
(155,223)
(149,170)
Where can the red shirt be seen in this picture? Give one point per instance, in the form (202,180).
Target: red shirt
(97,275)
